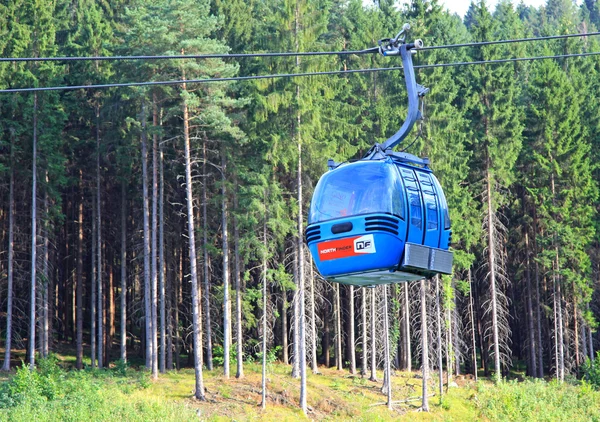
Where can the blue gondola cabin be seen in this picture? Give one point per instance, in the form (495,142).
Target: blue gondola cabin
(377,222)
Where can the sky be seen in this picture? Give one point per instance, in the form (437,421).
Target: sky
(461,6)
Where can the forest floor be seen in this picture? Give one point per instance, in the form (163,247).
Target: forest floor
(332,395)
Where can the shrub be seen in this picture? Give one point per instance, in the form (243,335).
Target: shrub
(591,371)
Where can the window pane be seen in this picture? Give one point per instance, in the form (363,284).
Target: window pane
(358,188)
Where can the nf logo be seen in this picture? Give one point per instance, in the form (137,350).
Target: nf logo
(364,244)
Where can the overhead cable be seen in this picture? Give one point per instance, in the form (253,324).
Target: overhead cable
(286,54)
(288,75)
(484,43)
(188,56)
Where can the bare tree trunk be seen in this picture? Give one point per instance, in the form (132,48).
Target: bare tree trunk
(178,300)
(169,294)
(313,323)
(576,331)
(559,312)
(208,324)
(351,340)
(154,244)
(338,330)
(238,294)
(424,346)
(439,338)
(538,310)
(123,273)
(301,285)
(161,264)
(591,344)
(560,362)
(93,286)
(147,271)
(99,246)
(449,349)
(472,316)
(387,384)
(264,311)
(79,281)
(532,346)
(364,365)
(491,243)
(33,239)
(226,300)
(284,328)
(373,376)
(44,326)
(196,293)
(407,343)
(296,319)
(11,257)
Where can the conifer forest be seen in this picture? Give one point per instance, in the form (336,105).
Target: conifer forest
(165,223)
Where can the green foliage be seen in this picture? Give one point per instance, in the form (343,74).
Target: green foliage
(272,354)
(218,357)
(591,371)
(50,393)
(538,401)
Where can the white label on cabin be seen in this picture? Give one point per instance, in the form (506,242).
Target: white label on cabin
(364,244)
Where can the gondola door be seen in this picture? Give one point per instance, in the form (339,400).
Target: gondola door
(415,206)
(431,219)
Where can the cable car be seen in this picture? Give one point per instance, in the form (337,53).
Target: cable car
(384,218)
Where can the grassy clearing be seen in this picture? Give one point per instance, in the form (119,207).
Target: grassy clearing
(53,394)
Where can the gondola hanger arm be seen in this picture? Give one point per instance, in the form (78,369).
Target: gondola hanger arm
(393,47)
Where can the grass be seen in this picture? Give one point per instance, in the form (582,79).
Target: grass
(53,394)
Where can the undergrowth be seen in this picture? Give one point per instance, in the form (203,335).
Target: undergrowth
(537,400)
(50,393)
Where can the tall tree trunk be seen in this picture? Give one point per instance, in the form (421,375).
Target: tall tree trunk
(33,239)
(559,323)
(531,332)
(123,327)
(296,319)
(284,328)
(99,246)
(147,266)
(560,361)
(11,257)
(364,364)
(373,376)
(196,293)
(44,326)
(93,285)
(154,240)
(538,307)
(450,348)
(302,311)
(208,324)
(491,250)
(351,340)
(386,350)
(161,263)
(406,319)
(226,300)
(313,322)
(424,346)
(439,338)
(338,329)
(79,281)
(576,329)
(238,293)
(591,344)
(264,310)
(178,301)
(472,317)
